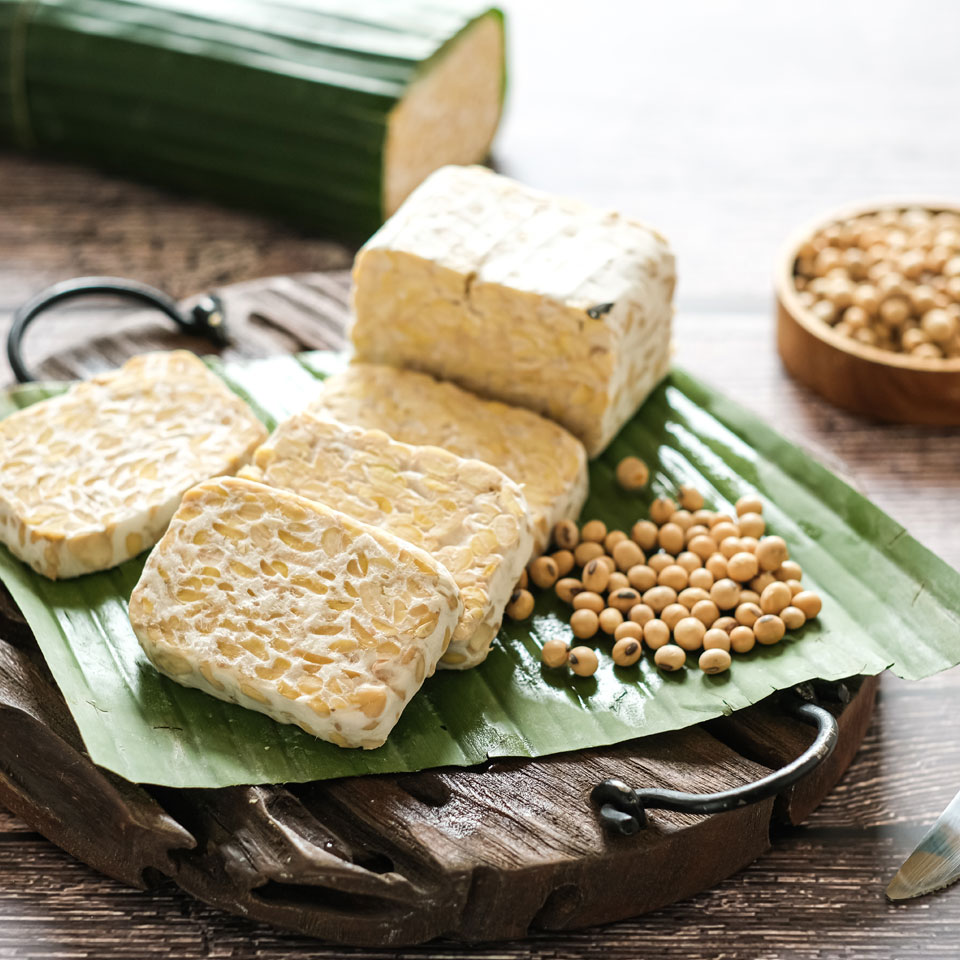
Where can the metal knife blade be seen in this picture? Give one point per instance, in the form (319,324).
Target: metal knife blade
(936,861)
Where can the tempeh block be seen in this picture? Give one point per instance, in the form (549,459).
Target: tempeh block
(536,300)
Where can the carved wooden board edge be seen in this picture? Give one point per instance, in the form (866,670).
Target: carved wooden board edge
(492,852)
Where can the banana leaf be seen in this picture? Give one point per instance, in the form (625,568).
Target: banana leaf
(287,106)
(888,604)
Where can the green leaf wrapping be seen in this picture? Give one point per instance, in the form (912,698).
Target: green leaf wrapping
(888,603)
(281,105)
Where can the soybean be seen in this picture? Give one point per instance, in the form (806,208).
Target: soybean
(658,597)
(673,576)
(544,572)
(690,498)
(655,634)
(595,576)
(555,653)
(567,588)
(644,535)
(742,566)
(627,651)
(588,600)
(790,570)
(521,605)
(769,629)
(706,612)
(617,581)
(714,661)
(661,509)
(748,503)
(627,554)
(566,534)
(658,561)
(641,614)
(748,614)
(752,525)
(624,599)
(692,596)
(673,613)
(701,578)
(585,552)
(583,661)
(584,623)
(716,639)
(725,593)
(793,617)
(772,552)
(632,473)
(809,602)
(670,657)
(689,633)
(775,597)
(641,577)
(671,538)
(628,629)
(610,619)
(594,530)
(717,564)
(742,639)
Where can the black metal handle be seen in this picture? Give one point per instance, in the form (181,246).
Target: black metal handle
(623,809)
(206,318)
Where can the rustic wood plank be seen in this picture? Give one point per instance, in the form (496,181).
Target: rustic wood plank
(45,777)
(816,894)
(11,823)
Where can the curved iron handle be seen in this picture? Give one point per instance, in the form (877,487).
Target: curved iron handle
(205,319)
(623,809)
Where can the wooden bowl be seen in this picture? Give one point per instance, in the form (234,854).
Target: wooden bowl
(866,380)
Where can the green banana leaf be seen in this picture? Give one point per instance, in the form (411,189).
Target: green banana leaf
(283,106)
(888,604)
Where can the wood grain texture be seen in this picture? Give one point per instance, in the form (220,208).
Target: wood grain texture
(726,126)
(859,380)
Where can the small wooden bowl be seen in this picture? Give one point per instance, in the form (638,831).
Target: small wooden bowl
(867,380)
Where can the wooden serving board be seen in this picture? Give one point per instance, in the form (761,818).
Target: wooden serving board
(497,851)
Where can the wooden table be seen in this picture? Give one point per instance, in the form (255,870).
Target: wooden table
(725,125)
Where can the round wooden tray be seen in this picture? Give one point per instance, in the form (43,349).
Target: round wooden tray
(498,851)
(864,379)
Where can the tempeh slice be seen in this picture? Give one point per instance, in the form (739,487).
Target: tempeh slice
(467,514)
(276,602)
(91,478)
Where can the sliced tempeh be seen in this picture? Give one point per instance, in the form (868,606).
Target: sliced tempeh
(465,513)
(278,603)
(549,463)
(91,478)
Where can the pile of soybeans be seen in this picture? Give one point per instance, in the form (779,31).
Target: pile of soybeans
(686,581)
